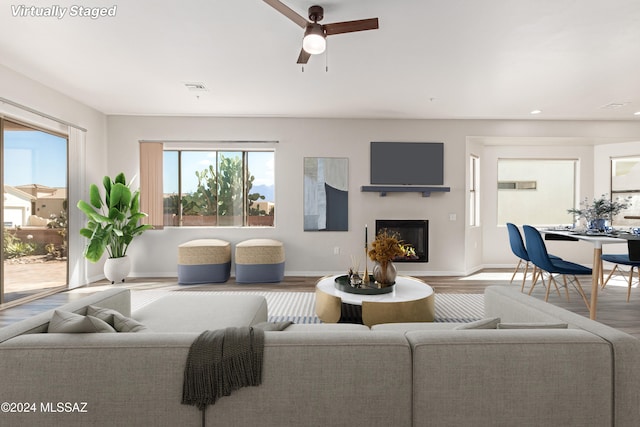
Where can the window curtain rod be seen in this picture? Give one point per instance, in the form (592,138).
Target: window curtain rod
(39,113)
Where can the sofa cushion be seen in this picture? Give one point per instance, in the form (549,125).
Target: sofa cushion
(67,322)
(488,323)
(175,311)
(532,325)
(414,326)
(326,327)
(529,377)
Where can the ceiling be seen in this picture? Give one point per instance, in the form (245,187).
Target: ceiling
(454,59)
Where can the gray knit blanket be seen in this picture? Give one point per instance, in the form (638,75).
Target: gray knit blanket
(224,360)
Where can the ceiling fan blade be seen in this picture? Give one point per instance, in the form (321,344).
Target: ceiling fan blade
(288,12)
(304,56)
(351,26)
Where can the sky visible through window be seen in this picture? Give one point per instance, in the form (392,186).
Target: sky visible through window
(35,157)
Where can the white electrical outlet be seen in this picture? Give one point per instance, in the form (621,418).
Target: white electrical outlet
(452,217)
(336,250)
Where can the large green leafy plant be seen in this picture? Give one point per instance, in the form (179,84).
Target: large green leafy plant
(113,220)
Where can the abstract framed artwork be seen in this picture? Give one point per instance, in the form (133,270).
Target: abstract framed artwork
(326,194)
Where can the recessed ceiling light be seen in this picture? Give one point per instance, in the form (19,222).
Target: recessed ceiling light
(637,113)
(536,111)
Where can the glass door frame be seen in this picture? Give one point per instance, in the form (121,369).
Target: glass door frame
(3,121)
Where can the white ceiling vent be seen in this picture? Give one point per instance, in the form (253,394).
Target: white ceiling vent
(615,105)
(196,87)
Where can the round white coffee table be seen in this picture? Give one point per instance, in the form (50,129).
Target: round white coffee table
(411,300)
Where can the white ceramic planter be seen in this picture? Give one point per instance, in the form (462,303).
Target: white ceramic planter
(116,270)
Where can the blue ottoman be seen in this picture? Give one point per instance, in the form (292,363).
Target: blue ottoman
(204,261)
(259,261)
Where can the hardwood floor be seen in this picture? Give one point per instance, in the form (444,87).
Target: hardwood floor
(613,310)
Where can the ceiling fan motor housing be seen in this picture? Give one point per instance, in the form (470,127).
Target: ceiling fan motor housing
(316,13)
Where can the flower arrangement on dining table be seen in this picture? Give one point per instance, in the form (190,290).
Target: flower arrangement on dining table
(600,209)
(386,246)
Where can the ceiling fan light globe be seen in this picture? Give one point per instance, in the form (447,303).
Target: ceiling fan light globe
(314,44)
(314,41)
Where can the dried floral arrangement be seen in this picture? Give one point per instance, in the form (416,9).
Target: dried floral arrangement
(386,247)
(602,208)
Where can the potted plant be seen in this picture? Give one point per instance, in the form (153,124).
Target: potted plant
(384,249)
(113,222)
(598,212)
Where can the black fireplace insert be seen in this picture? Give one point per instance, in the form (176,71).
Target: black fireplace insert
(414,235)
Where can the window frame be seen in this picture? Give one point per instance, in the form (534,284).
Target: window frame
(474,190)
(218,147)
(628,217)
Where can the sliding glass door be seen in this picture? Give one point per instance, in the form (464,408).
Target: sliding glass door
(34,211)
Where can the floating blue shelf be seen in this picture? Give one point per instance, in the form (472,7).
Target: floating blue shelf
(384,189)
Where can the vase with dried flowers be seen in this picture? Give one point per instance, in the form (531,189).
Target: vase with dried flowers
(601,210)
(384,249)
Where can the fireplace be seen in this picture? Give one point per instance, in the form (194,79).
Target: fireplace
(412,232)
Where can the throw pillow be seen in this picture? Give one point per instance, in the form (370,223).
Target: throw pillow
(532,326)
(72,323)
(489,323)
(101,313)
(114,318)
(126,324)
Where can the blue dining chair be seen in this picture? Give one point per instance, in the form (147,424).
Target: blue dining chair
(539,256)
(518,249)
(631,259)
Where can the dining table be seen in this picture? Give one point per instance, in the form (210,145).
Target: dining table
(597,240)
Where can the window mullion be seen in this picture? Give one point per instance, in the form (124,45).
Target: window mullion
(245,189)
(180,188)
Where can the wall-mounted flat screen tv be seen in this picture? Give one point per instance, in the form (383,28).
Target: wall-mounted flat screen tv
(407,163)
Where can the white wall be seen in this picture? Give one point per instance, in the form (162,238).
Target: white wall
(309,253)
(454,248)
(594,150)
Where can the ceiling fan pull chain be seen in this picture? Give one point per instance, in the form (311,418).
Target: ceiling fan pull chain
(326,59)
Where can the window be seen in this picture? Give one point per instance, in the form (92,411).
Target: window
(218,188)
(625,184)
(517,185)
(536,191)
(474,191)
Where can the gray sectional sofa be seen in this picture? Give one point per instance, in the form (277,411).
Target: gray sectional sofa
(414,374)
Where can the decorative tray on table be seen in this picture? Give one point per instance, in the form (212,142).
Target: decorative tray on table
(342,284)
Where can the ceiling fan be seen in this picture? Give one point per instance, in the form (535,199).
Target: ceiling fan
(314,41)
